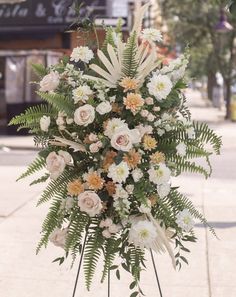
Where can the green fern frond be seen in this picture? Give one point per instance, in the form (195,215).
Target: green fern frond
(42,179)
(136,258)
(52,220)
(36,165)
(32,115)
(178,202)
(110,250)
(205,135)
(182,165)
(59,102)
(130,63)
(109,39)
(78,224)
(39,69)
(56,186)
(92,254)
(183,109)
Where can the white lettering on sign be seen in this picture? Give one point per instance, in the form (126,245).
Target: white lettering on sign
(12,12)
(40,11)
(54,20)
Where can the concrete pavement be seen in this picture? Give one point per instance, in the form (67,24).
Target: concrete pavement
(212,268)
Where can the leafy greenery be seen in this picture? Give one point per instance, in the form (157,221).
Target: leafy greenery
(130,63)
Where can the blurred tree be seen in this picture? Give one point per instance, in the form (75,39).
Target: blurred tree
(193,23)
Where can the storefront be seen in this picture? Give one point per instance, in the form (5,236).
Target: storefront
(33,32)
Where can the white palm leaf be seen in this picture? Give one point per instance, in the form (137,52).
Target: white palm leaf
(162,242)
(120,50)
(99,80)
(113,66)
(77,147)
(138,18)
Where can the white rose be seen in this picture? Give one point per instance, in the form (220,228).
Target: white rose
(124,138)
(149,101)
(104,107)
(67,157)
(93,137)
(84,115)
(114,228)
(49,82)
(150,117)
(129,189)
(45,123)
(60,121)
(58,237)
(90,203)
(69,203)
(55,164)
(106,223)
(137,174)
(69,121)
(144,113)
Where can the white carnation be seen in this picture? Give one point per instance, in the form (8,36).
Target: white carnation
(120,193)
(160,86)
(118,173)
(81,53)
(58,237)
(163,190)
(45,123)
(82,93)
(104,107)
(191,132)
(160,174)
(185,220)
(55,164)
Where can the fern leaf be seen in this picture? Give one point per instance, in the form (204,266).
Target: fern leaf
(36,165)
(39,69)
(59,102)
(130,63)
(42,179)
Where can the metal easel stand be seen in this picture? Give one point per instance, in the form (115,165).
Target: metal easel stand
(109,273)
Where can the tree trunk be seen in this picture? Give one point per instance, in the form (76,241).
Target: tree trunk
(227,97)
(211,82)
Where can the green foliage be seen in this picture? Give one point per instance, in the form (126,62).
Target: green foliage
(182,165)
(130,63)
(57,186)
(109,39)
(31,117)
(39,69)
(36,165)
(42,179)
(53,219)
(92,252)
(59,102)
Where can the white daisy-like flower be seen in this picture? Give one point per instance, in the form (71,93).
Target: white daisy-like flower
(82,93)
(112,125)
(160,86)
(151,35)
(181,149)
(81,53)
(118,173)
(120,192)
(143,234)
(185,220)
(159,175)
(163,190)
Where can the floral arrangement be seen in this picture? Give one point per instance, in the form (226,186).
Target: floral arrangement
(114,131)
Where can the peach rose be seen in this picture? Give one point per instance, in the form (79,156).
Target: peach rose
(84,115)
(49,82)
(123,139)
(55,164)
(90,203)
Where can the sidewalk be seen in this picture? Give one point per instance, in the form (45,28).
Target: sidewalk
(212,268)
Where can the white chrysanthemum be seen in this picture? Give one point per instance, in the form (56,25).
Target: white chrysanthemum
(185,220)
(112,125)
(120,193)
(82,93)
(143,234)
(81,53)
(160,86)
(163,190)
(151,35)
(159,175)
(181,149)
(118,173)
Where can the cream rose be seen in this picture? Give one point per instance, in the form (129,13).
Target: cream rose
(84,115)
(55,164)
(45,123)
(67,157)
(104,107)
(90,203)
(49,82)
(58,237)
(123,139)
